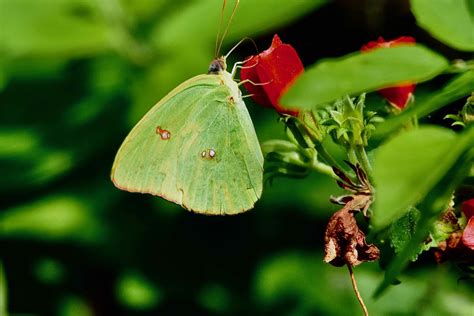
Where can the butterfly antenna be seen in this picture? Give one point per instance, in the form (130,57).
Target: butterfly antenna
(219,28)
(240,42)
(228,25)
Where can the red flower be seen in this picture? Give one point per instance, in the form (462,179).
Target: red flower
(397,96)
(274,69)
(468,235)
(467,208)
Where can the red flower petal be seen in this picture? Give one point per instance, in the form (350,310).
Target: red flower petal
(380,42)
(399,95)
(276,69)
(467,208)
(250,73)
(468,234)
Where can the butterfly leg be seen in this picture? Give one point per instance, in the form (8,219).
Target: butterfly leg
(254,83)
(237,65)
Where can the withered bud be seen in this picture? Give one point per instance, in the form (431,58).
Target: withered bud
(344,242)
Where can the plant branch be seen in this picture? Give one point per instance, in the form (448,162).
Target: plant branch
(330,160)
(323,168)
(363,159)
(356,290)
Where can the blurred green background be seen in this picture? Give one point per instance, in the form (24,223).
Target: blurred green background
(75,75)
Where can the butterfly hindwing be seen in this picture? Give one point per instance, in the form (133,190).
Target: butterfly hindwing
(197,147)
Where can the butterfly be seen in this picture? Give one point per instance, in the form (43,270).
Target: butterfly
(197,147)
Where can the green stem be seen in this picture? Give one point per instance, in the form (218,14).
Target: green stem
(363,159)
(415,121)
(323,168)
(322,152)
(352,156)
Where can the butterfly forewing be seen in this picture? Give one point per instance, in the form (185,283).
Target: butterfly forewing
(197,147)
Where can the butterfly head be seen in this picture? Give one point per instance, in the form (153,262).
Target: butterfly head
(217,65)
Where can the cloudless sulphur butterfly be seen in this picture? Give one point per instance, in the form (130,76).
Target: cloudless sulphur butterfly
(196,147)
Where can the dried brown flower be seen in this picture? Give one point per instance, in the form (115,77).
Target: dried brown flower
(344,241)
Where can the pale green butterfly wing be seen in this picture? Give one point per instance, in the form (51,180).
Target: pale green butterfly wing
(196,147)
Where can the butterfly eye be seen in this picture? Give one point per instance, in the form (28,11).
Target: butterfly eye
(216,66)
(213,67)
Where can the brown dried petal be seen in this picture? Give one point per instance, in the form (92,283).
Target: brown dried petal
(344,241)
(453,249)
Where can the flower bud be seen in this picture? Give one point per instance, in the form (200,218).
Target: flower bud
(273,70)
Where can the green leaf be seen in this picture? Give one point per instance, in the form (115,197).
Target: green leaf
(72,305)
(461,86)
(331,79)
(251,18)
(61,28)
(433,204)
(403,230)
(136,292)
(450,21)
(52,218)
(216,298)
(408,166)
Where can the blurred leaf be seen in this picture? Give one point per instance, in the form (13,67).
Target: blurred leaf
(461,86)
(34,69)
(144,9)
(73,305)
(433,204)
(450,21)
(136,292)
(3,291)
(61,28)
(24,163)
(300,284)
(17,142)
(53,218)
(49,271)
(297,280)
(408,166)
(187,27)
(331,79)
(215,298)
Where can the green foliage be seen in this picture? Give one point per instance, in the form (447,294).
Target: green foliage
(215,298)
(414,159)
(72,305)
(136,292)
(299,283)
(450,21)
(53,218)
(348,124)
(49,271)
(52,29)
(403,230)
(331,79)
